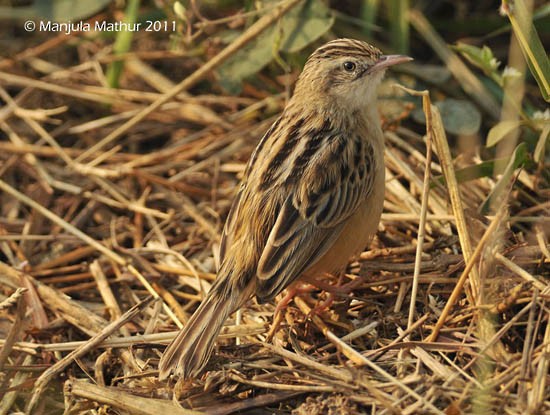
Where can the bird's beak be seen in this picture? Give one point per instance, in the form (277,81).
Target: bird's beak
(389,60)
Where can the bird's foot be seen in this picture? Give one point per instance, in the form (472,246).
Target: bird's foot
(292,291)
(334,291)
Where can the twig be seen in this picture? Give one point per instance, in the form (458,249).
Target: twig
(124,401)
(257,401)
(345,376)
(527,354)
(539,394)
(105,290)
(469,266)
(16,326)
(63,224)
(87,239)
(376,354)
(495,338)
(58,89)
(461,72)
(16,386)
(444,154)
(48,375)
(137,339)
(544,288)
(252,32)
(426,106)
(12,299)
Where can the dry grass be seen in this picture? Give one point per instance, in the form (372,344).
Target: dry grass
(111,197)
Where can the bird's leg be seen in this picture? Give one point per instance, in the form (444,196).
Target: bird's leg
(306,285)
(333,290)
(297,288)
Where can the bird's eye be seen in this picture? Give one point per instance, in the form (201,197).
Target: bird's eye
(349,66)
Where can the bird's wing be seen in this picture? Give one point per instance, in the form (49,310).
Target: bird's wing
(314,213)
(234,218)
(229,228)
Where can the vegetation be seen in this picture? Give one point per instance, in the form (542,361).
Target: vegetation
(121,151)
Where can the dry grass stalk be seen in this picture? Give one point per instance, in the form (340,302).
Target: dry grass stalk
(80,389)
(52,371)
(143,215)
(252,32)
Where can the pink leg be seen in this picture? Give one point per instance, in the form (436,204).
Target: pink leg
(295,289)
(305,286)
(336,290)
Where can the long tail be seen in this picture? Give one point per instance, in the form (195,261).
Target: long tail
(189,352)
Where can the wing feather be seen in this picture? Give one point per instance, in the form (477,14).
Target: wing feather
(230,222)
(281,265)
(310,220)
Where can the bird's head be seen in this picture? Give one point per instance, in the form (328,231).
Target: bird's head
(344,73)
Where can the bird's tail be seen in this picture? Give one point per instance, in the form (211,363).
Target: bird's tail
(189,352)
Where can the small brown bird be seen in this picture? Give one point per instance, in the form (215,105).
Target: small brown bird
(311,196)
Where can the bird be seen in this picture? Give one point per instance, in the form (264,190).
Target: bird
(310,198)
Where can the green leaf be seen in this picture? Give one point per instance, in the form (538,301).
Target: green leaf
(398,11)
(295,30)
(55,10)
(179,11)
(483,57)
(483,169)
(306,25)
(122,44)
(499,131)
(368,14)
(530,43)
(518,159)
(460,117)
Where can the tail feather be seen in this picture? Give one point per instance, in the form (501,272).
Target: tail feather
(189,352)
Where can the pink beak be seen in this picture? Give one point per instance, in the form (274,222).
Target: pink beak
(389,60)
